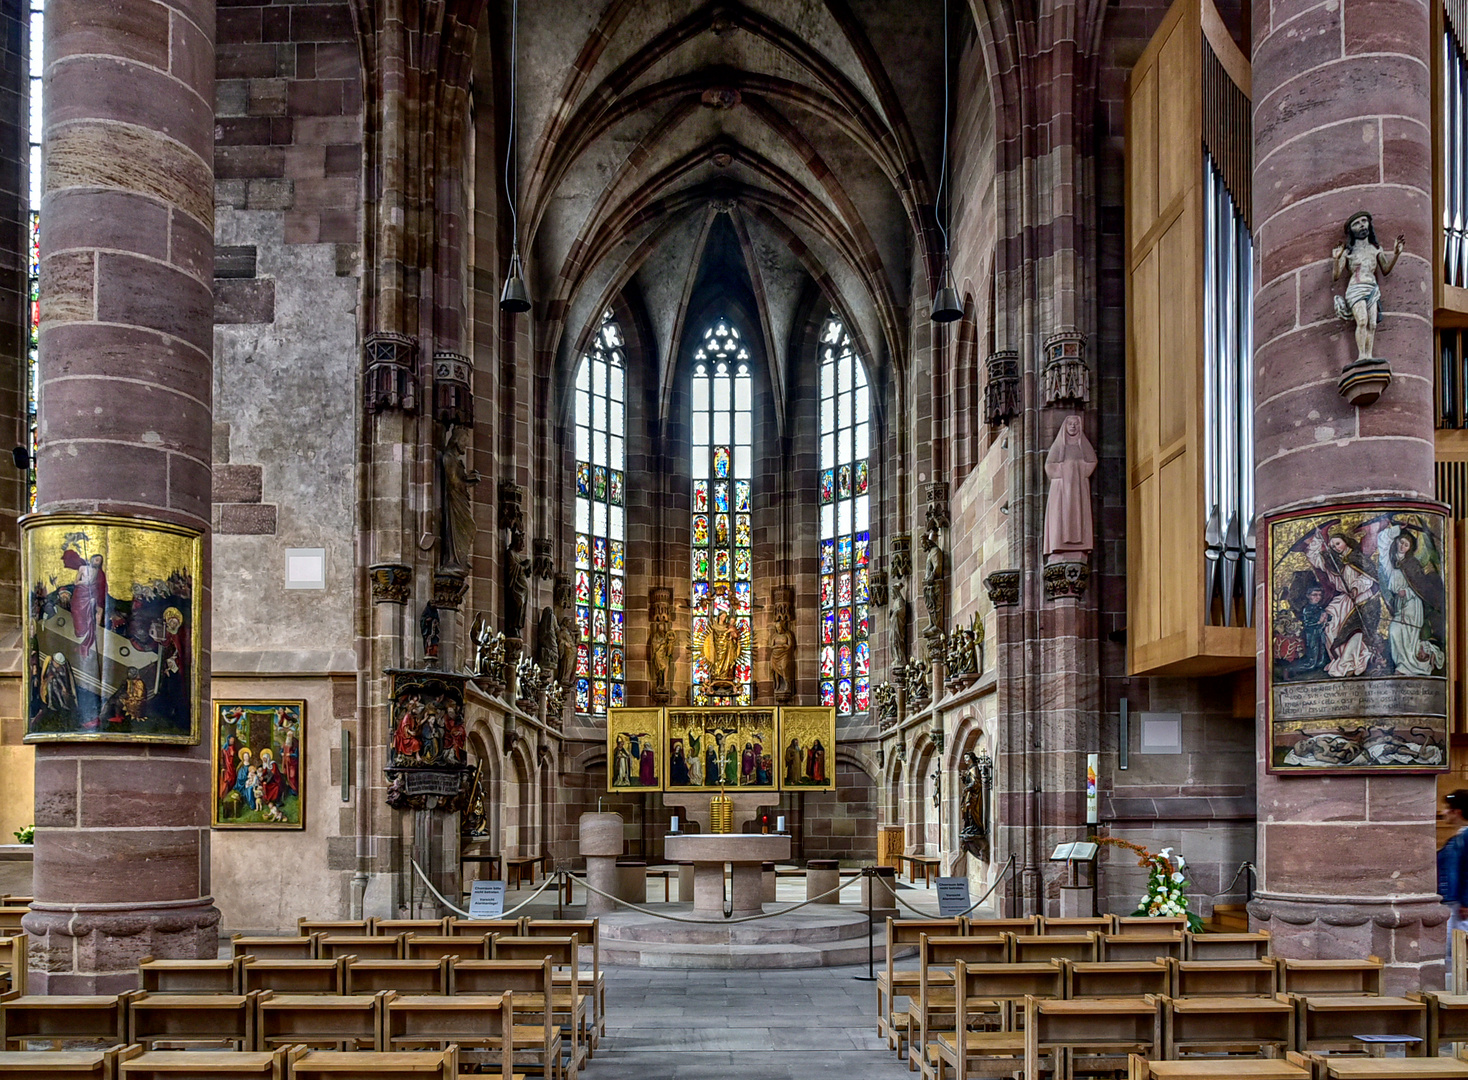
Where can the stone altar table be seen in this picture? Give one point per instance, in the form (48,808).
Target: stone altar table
(744,852)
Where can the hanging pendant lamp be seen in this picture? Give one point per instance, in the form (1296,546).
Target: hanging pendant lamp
(946,305)
(515,296)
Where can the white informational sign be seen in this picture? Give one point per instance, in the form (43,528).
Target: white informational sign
(953,897)
(486,899)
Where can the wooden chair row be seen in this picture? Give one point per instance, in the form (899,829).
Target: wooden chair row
(452,925)
(13,964)
(264,1022)
(1102,1033)
(285,1063)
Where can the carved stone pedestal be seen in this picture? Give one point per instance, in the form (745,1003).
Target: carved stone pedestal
(1364,381)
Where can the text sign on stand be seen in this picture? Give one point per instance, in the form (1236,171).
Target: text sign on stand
(486,899)
(953,897)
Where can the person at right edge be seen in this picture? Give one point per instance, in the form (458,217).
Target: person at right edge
(1452,863)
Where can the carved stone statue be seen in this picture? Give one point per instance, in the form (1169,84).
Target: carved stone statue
(517,592)
(976,774)
(548,643)
(1362,301)
(782,656)
(457,508)
(566,669)
(660,643)
(1069,464)
(428,627)
(933,580)
(897,618)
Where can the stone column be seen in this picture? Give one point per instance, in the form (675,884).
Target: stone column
(1342,123)
(127,313)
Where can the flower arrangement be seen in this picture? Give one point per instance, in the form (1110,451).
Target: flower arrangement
(26,835)
(1165,882)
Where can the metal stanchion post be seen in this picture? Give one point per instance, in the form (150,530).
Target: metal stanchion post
(868,873)
(561,892)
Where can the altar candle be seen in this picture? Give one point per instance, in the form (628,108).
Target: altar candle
(779,824)
(675,822)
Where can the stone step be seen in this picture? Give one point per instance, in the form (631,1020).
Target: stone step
(668,954)
(815,925)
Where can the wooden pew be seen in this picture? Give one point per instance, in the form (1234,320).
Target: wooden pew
(1089,979)
(377,947)
(404,976)
(1064,1030)
(476,927)
(1224,978)
(1146,924)
(293,976)
(206,1064)
(1240,1069)
(13,963)
(1447,1019)
(1332,1022)
(484,1022)
(1347,1067)
(531,983)
(60,1064)
(275,948)
(410,926)
(352,1022)
(1215,1025)
(892,983)
(1038,948)
(1102,924)
(438,946)
(995,927)
(73,1018)
(593,982)
(930,1008)
(1227,946)
(190,976)
(564,953)
(1132,947)
(10,916)
(333,926)
(1316,978)
(192,1018)
(976,991)
(362,1064)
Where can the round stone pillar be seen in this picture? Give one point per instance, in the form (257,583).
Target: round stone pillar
(1342,117)
(127,243)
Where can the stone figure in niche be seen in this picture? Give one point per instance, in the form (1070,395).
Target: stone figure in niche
(933,578)
(1069,464)
(566,668)
(1364,257)
(976,774)
(660,657)
(457,508)
(897,618)
(548,643)
(428,627)
(517,591)
(782,656)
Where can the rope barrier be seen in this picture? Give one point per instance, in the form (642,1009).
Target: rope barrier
(554,875)
(710,922)
(1008,868)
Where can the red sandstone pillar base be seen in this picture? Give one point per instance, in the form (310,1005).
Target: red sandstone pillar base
(95,948)
(1409,936)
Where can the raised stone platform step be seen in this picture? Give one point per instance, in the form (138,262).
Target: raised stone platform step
(817,936)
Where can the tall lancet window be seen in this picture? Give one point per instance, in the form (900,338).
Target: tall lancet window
(846,658)
(601,522)
(723,473)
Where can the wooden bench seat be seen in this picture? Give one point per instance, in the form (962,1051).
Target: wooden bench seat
(1135,946)
(368,1065)
(593,980)
(1316,978)
(348,1022)
(333,926)
(516,865)
(393,927)
(1340,1067)
(1224,978)
(1146,924)
(192,1018)
(274,948)
(473,1022)
(204,1064)
(1447,1019)
(1102,924)
(13,964)
(985,1053)
(1216,1025)
(1239,1069)
(404,976)
(59,1064)
(1227,946)
(376,947)
(1101,979)
(1332,1022)
(439,946)
(293,976)
(1061,1031)
(560,952)
(189,976)
(902,932)
(73,1018)
(1037,948)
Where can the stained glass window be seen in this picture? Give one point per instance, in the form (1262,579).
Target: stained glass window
(601,522)
(722,534)
(845,562)
(33,254)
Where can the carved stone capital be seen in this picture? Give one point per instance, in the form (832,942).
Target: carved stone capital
(449,590)
(1066,579)
(1003,587)
(1066,378)
(392,583)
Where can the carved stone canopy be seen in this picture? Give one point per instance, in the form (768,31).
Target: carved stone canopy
(392,583)
(1066,378)
(901,555)
(1003,587)
(392,372)
(453,396)
(1001,392)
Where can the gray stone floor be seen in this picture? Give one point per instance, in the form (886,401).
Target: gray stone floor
(754,1025)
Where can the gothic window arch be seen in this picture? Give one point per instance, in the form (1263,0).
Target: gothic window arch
(601,522)
(722,467)
(845,562)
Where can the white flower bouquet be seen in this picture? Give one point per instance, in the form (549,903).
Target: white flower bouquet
(1166,882)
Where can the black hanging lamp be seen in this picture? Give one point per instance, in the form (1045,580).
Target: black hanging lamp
(515,296)
(946,305)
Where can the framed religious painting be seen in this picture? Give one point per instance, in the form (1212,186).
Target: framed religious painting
(807,748)
(259,760)
(635,750)
(1357,625)
(112,612)
(728,748)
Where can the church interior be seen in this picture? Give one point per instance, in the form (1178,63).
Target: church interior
(892,483)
